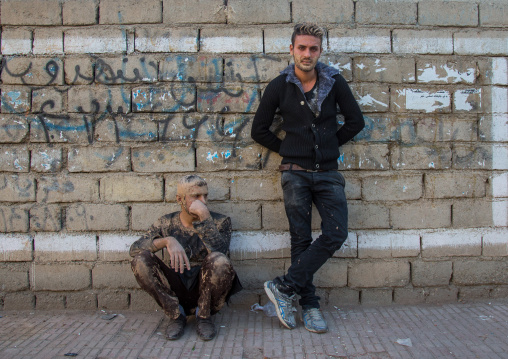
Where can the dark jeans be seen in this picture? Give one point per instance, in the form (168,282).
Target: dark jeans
(326,190)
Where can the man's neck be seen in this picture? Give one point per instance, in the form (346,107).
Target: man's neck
(306,77)
(186,220)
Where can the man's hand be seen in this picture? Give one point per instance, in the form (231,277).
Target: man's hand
(177,255)
(199,209)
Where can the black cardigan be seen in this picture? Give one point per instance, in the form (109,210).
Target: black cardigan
(311,142)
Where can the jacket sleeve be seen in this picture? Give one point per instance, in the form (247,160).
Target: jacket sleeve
(215,234)
(263,119)
(145,242)
(353,118)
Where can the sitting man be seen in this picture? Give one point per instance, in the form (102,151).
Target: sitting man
(201,278)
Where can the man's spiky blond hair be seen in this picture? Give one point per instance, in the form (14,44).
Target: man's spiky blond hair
(189,180)
(308,28)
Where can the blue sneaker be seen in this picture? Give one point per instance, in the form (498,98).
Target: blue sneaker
(283,304)
(314,321)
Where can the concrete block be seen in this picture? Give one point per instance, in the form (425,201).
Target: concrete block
(386,12)
(13,219)
(95,40)
(80,12)
(420,100)
(270,160)
(499,292)
(467,100)
(126,69)
(339,297)
(493,15)
(253,69)
(431,274)
(130,12)
(472,213)
(191,68)
(46,159)
(244,216)
(441,295)
(274,216)
(500,213)
(255,272)
(57,247)
(114,300)
(169,98)
(98,99)
(383,127)
(16,247)
(236,129)
(247,12)
(14,278)
(473,157)
(115,247)
(332,274)
(451,13)
(45,218)
(392,188)
(97,217)
(370,41)
(144,215)
(499,185)
(49,301)
(455,184)
(251,188)
(449,243)
(353,187)
(14,159)
(48,41)
(218,186)
(444,71)
(422,41)
(16,99)
(184,127)
(67,189)
(79,70)
(372,97)
(194,11)
(259,245)
(323,11)
(113,276)
(17,188)
(446,129)
(13,128)
(47,100)
(367,216)
(19,301)
(421,157)
(349,249)
(277,40)
(131,189)
(231,40)
(376,297)
(166,158)
(477,272)
(31,12)
(166,39)
(493,128)
(60,277)
(381,244)
(244,299)
(485,43)
(224,99)
(493,71)
(421,214)
(342,63)
(81,300)
(64,129)
(126,129)
(378,274)
(226,156)
(474,293)
(364,157)
(142,301)
(408,295)
(98,159)
(495,243)
(16,41)
(385,69)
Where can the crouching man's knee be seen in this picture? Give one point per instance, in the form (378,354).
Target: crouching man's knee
(142,263)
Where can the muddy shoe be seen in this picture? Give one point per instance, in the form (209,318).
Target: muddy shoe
(205,328)
(175,327)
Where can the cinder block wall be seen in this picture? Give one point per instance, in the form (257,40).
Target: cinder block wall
(104,104)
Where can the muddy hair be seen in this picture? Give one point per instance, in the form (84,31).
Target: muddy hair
(192,179)
(307,28)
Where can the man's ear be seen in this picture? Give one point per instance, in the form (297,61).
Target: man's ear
(179,199)
(291,49)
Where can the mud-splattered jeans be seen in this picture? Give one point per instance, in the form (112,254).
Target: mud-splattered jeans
(214,282)
(326,190)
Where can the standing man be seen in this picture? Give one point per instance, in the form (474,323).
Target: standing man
(307,94)
(198,278)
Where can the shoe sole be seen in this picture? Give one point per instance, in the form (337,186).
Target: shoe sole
(274,301)
(313,330)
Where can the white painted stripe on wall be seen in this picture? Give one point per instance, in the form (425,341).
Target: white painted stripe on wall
(64,242)
(14,242)
(116,242)
(231,44)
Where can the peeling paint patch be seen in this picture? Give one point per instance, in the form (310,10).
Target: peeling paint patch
(427,101)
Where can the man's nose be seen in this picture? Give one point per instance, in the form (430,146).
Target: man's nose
(202,199)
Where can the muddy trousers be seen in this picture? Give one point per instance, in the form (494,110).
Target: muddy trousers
(214,282)
(326,190)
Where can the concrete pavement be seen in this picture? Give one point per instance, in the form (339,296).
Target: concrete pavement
(458,330)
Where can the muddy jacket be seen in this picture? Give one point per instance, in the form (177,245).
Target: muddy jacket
(311,141)
(212,234)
